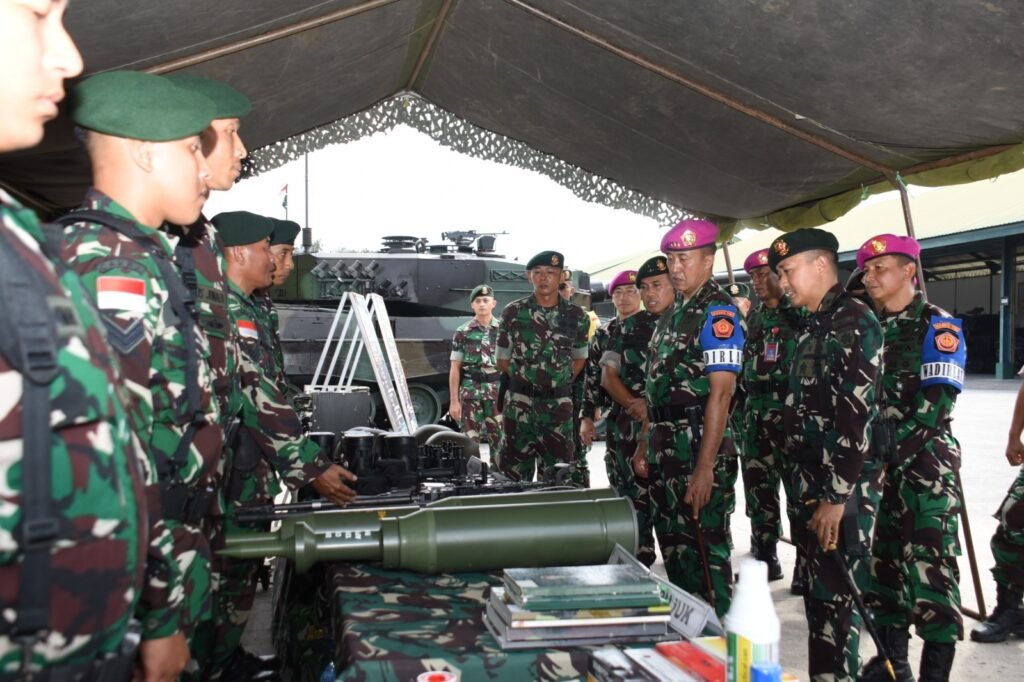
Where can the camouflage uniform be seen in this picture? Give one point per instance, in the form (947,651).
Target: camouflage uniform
(914,575)
(271,435)
(475,347)
(767,355)
(97,475)
(540,345)
(1008,541)
(692,339)
(593,400)
(184,449)
(626,352)
(828,413)
(271,341)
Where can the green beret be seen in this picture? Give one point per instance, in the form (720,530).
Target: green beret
(652,268)
(549,258)
(140,106)
(285,232)
(238,228)
(798,241)
(228,102)
(738,290)
(482,290)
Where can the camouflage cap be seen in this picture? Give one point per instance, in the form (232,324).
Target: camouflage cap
(228,102)
(798,241)
(652,267)
(738,290)
(140,106)
(550,258)
(238,228)
(482,290)
(285,232)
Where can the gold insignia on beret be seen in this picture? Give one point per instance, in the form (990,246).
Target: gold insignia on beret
(734,289)
(781,247)
(632,277)
(661,265)
(762,258)
(689,237)
(554,260)
(485,291)
(878,245)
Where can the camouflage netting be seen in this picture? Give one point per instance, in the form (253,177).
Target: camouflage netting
(465,138)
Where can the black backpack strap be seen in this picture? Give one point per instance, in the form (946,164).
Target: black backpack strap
(182,303)
(28,341)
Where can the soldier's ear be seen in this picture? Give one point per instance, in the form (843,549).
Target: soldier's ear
(141,153)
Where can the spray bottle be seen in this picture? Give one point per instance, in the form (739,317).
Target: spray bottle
(751,627)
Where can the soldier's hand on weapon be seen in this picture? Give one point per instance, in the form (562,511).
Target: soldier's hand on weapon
(698,489)
(825,524)
(330,485)
(455,410)
(587,431)
(1015,452)
(162,660)
(637,408)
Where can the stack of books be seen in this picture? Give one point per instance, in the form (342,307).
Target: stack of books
(578,606)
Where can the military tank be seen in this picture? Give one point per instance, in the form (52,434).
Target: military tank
(425,287)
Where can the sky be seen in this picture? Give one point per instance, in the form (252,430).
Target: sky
(402,182)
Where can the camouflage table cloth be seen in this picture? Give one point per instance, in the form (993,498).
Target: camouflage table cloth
(391,626)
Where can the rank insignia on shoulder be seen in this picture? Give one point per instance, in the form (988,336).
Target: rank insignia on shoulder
(247,329)
(944,354)
(121,293)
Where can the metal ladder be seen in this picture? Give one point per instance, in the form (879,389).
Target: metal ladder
(367,311)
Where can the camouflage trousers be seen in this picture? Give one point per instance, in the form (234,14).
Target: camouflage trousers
(581,450)
(1008,540)
(193,558)
(536,432)
(671,464)
(833,623)
(762,474)
(479,404)
(621,441)
(914,573)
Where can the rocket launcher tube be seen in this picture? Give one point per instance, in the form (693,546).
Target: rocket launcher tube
(475,538)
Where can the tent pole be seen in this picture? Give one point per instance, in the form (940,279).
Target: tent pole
(428,47)
(908,220)
(728,263)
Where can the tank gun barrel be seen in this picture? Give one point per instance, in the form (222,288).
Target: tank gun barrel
(439,539)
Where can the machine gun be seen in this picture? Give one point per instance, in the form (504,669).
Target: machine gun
(465,239)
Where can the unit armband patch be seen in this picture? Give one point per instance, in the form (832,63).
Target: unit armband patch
(722,340)
(944,354)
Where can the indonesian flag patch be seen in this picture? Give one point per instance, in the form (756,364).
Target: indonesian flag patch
(121,293)
(247,329)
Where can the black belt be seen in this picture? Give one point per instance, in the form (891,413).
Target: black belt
(184,503)
(529,390)
(667,413)
(482,377)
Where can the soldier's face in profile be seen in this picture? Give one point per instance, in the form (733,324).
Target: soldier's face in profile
(259,264)
(626,299)
(886,277)
(224,151)
(657,293)
(766,283)
(38,55)
(545,279)
(179,169)
(483,305)
(283,262)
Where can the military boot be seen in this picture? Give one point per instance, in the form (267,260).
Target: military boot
(936,662)
(896,641)
(1006,618)
(767,553)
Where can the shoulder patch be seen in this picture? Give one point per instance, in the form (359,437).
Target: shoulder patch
(247,329)
(122,264)
(123,339)
(944,354)
(121,293)
(722,339)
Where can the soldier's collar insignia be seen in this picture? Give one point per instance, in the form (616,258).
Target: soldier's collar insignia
(781,247)
(878,245)
(689,237)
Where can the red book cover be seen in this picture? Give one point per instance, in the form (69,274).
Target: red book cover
(693,660)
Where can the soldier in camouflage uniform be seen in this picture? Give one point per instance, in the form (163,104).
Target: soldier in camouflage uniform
(695,355)
(1008,545)
(623,364)
(914,571)
(473,377)
(828,414)
(125,261)
(282,246)
(584,410)
(771,341)
(542,346)
(269,442)
(69,455)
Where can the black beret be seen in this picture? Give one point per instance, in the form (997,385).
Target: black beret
(482,290)
(238,228)
(285,232)
(798,241)
(550,258)
(651,268)
(227,102)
